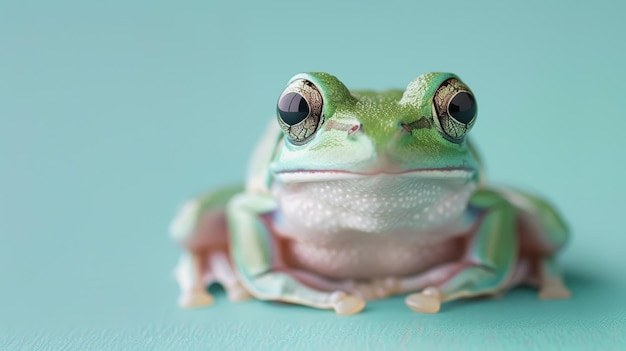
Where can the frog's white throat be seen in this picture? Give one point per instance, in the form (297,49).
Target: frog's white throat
(318,203)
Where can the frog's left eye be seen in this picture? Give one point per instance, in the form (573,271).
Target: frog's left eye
(455,107)
(299,111)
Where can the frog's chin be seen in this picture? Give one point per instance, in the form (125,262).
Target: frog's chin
(306,176)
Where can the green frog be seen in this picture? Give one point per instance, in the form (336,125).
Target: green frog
(360,195)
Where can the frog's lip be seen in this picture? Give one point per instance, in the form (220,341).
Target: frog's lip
(301,176)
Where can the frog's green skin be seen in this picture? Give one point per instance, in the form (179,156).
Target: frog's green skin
(379,200)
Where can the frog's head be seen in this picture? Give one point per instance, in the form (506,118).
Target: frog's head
(374,161)
(330,133)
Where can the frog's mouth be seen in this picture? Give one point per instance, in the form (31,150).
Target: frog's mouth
(305,176)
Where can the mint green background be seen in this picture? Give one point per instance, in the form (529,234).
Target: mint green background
(112,113)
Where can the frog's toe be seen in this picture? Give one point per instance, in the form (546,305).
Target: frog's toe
(237,292)
(423,303)
(349,304)
(195,299)
(554,290)
(428,301)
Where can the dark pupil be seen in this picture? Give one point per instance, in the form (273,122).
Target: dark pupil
(293,108)
(462,107)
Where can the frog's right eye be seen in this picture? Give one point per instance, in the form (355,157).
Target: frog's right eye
(299,111)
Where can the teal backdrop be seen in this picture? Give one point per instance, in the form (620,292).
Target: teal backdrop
(112,113)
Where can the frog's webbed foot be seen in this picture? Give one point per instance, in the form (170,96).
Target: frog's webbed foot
(428,301)
(554,290)
(195,298)
(345,305)
(551,281)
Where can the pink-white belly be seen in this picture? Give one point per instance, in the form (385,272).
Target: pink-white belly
(372,227)
(375,259)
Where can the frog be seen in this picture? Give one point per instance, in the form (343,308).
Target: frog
(357,195)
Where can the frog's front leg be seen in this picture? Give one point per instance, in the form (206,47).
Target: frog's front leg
(488,263)
(252,253)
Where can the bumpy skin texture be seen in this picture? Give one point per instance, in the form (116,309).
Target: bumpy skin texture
(382,195)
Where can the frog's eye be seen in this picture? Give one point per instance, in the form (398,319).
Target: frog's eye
(299,111)
(455,107)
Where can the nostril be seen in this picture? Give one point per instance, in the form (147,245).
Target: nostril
(355,128)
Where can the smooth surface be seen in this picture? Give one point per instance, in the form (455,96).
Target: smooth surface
(111,114)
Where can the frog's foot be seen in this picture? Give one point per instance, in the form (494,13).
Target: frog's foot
(345,305)
(195,299)
(236,292)
(428,301)
(551,281)
(554,289)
